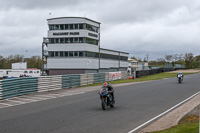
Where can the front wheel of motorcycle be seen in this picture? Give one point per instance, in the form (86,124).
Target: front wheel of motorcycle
(103,104)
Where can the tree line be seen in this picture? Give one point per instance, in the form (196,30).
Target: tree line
(32,62)
(187,59)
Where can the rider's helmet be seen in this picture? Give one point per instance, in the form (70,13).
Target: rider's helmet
(180,73)
(105,84)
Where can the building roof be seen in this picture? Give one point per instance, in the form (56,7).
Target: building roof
(131,60)
(114,50)
(74,17)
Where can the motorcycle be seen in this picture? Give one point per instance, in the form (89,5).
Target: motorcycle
(106,98)
(180,78)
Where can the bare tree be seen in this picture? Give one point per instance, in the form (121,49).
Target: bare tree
(189,59)
(169,58)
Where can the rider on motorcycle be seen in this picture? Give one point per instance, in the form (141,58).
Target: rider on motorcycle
(110,89)
(180,76)
(180,73)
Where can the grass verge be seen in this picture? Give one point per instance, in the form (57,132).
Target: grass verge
(144,78)
(190,124)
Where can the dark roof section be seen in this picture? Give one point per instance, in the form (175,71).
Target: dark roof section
(75,17)
(114,50)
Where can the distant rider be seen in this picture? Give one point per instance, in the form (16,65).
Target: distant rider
(110,89)
(181,74)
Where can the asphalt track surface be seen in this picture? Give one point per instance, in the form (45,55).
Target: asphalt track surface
(82,113)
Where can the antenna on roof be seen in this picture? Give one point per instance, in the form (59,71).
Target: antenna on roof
(49,15)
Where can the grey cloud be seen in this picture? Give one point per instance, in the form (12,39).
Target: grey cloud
(157,27)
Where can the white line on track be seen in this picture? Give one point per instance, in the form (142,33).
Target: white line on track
(15,101)
(144,124)
(28,99)
(37,98)
(6,104)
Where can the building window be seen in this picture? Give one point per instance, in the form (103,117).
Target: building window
(56,27)
(80,26)
(51,54)
(91,54)
(61,54)
(76,40)
(56,54)
(62,27)
(75,54)
(70,53)
(91,41)
(66,40)
(80,40)
(62,40)
(91,28)
(66,54)
(51,27)
(71,27)
(66,27)
(81,54)
(57,40)
(71,40)
(76,26)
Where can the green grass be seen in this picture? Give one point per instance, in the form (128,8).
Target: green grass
(182,128)
(144,78)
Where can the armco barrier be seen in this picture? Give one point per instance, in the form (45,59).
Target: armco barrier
(19,86)
(48,83)
(0,90)
(106,76)
(75,80)
(66,81)
(71,80)
(124,75)
(83,79)
(90,78)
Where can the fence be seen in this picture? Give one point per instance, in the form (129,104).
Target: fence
(140,74)
(21,86)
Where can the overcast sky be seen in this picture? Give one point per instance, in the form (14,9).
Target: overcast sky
(156,27)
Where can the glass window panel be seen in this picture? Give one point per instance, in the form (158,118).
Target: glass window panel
(61,54)
(56,27)
(80,40)
(66,40)
(71,54)
(76,26)
(80,26)
(76,40)
(62,40)
(62,27)
(57,40)
(75,53)
(71,26)
(71,40)
(51,54)
(81,54)
(51,27)
(56,54)
(66,27)
(66,54)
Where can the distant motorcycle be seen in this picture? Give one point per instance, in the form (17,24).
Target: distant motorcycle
(106,98)
(180,78)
